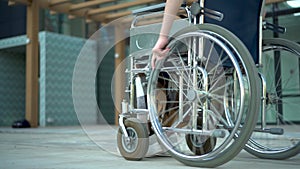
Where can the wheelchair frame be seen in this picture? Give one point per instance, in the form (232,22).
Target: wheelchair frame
(138,76)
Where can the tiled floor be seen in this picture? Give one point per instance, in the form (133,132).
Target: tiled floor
(94,147)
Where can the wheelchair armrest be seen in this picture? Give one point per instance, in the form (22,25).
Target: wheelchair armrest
(153,8)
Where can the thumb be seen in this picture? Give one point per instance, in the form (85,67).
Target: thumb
(153,59)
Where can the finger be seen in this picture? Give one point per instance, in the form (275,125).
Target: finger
(153,61)
(165,52)
(162,54)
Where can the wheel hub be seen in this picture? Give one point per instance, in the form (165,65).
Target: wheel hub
(130,143)
(272,98)
(192,95)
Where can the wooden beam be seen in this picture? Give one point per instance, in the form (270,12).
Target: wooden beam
(32,69)
(120,53)
(119,6)
(98,15)
(82,10)
(57,2)
(58,6)
(118,15)
(88,4)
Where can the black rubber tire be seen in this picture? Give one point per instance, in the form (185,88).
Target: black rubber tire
(254,93)
(256,148)
(138,131)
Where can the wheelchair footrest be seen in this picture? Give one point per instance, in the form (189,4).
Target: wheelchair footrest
(275,131)
(220,133)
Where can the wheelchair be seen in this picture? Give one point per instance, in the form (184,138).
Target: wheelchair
(203,100)
(276,135)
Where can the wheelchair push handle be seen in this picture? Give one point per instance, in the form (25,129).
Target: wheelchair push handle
(273,27)
(153,8)
(150,11)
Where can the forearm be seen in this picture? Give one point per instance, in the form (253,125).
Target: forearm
(171,10)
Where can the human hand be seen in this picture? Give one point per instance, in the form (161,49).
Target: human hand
(159,51)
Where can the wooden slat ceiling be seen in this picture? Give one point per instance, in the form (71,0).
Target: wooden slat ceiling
(92,10)
(95,10)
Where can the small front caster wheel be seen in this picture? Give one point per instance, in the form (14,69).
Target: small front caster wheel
(135,146)
(200,144)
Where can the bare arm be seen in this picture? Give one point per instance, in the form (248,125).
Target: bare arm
(171,9)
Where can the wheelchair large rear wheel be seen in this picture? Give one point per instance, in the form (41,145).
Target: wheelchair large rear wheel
(207,75)
(277,135)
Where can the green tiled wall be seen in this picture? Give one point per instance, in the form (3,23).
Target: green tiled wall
(58,54)
(12,85)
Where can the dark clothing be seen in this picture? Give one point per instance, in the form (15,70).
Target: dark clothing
(241,17)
